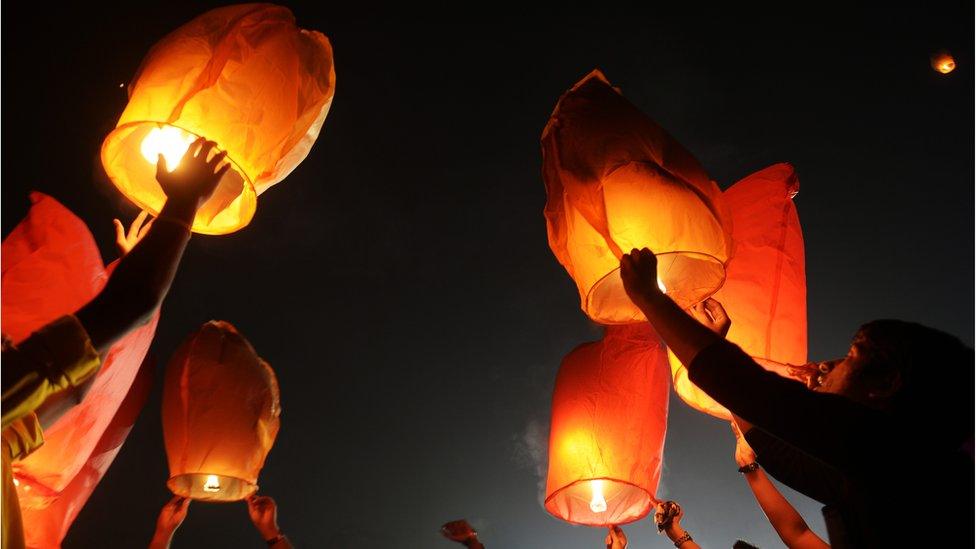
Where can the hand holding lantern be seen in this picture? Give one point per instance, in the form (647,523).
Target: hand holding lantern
(194,179)
(264,514)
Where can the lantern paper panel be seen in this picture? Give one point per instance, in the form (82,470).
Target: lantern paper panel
(615,181)
(52,267)
(45,528)
(244,76)
(220,415)
(765,289)
(609,419)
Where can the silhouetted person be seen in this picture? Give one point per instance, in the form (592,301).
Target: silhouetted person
(895,410)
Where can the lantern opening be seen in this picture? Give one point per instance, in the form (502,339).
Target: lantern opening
(688,275)
(600,502)
(129,155)
(209,487)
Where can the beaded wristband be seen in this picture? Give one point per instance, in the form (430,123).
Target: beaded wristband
(749,468)
(678,542)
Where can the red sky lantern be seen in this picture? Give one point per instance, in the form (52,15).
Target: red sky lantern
(220,415)
(765,287)
(52,267)
(609,418)
(615,181)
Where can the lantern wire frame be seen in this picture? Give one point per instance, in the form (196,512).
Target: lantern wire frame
(137,180)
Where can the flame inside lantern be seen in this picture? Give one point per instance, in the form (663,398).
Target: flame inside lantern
(598,503)
(943,62)
(212,484)
(168,141)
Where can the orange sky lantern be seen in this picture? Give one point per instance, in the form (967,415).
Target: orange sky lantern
(220,415)
(609,418)
(615,181)
(244,76)
(943,62)
(765,287)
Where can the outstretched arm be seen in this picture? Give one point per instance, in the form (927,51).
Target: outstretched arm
(143,277)
(784,518)
(170,518)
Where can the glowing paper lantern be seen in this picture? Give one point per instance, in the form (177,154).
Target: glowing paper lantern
(244,76)
(220,415)
(609,418)
(943,62)
(765,287)
(52,267)
(615,181)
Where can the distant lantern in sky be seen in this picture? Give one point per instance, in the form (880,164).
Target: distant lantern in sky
(609,419)
(943,62)
(220,415)
(765,288)
(244,76)
(615,181)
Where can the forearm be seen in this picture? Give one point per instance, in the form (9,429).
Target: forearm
(789,525)
(684,335)
(141,280)
(676,532)
(161,539)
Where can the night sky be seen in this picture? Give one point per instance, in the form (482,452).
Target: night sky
(400,282)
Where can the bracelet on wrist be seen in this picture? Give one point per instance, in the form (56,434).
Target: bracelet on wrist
(275,540)
(678,542)
(749,468)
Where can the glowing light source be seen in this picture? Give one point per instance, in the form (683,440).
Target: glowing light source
(660,284)
(598,503)
(943,62)
(168,141)
(212,484)
(16,482)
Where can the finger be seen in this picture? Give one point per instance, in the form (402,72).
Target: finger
(205,149)
(217,159)
(715,308)
(161,167)
(141,218)
(119,231)
(223,169)
(145,229)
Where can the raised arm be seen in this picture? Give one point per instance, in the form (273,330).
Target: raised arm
(143,277)
(784,518)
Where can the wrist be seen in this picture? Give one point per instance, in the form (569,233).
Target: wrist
(675,532)
(180,208)
(268,533)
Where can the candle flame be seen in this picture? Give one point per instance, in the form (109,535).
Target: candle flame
(16,482)
(168,141)
(597,503)
(660,284)
(212,484)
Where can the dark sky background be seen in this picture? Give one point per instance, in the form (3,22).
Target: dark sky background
(400,282)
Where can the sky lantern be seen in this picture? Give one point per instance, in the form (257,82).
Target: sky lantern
(220,415)
(52,267)
(615,181)
(609,418)
(943,62)
(765,286)
(244,76)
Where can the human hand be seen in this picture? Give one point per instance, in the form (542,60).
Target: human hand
(459,531)
(124,240)
(811,374)
(195,178)
(264,514)
(712,315)
(172,515)
(616,538)
(638,270)
(744,454)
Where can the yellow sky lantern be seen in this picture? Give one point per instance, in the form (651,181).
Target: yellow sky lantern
(615,181)
(244,76)
(220,415)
